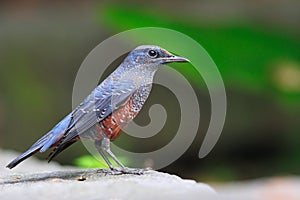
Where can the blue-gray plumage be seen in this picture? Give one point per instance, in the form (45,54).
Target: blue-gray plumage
(109,108)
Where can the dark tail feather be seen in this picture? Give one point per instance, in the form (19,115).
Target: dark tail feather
(32,150)
(22,157)
(61,147)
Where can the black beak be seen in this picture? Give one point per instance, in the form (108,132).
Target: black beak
(174,59)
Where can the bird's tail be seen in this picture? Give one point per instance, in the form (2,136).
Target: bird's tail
(22,157)
(47,141)
(32,150)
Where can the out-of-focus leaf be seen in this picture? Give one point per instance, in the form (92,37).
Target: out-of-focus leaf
(88,161)
(246,54)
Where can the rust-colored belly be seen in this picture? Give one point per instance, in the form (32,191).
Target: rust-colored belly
(113,124)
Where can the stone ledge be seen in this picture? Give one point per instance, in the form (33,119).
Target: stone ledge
(70,183)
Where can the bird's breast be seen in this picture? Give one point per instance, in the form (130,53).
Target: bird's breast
(113,124)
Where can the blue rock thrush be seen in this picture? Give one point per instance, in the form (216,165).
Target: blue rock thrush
(108,109)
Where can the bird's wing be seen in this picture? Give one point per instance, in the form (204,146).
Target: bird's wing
(98,105)
(101,103)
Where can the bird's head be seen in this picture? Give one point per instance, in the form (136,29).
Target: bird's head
(150,57)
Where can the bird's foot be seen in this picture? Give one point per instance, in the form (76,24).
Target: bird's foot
(136,171)
(126,170)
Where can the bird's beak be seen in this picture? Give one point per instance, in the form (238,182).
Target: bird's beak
(174,59)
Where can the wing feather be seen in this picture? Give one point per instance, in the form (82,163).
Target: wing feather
(96,107)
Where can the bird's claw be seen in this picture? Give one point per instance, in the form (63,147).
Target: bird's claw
(135,171)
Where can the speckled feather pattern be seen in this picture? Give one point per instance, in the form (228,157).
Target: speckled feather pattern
(113,124)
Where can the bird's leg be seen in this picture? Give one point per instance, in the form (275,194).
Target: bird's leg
(104,145)
(99,147)
(100,150)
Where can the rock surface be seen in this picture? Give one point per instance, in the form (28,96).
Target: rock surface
(39,180)
(271,188)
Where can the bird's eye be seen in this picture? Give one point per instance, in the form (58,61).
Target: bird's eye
(153,53)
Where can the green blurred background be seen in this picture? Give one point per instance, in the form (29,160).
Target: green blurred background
(255,44)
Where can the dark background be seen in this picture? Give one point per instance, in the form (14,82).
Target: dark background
(255,45)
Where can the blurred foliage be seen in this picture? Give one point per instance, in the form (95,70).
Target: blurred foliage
(89,161)
(249,56)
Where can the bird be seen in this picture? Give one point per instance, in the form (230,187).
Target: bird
(108,108)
